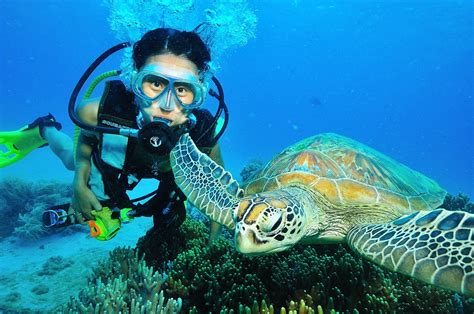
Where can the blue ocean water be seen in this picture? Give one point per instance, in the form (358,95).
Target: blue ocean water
(395,75)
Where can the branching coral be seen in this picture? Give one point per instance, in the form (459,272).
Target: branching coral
(334,273)
(162,245)
(216,277)
(123,283)
(262,308)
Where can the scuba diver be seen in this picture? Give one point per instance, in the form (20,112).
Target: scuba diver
(127,134)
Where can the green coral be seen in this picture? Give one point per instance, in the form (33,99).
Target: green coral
(196,266)
(336,278)
(341,280)
(217,278)
(293,307)
(123,283)
(161,245)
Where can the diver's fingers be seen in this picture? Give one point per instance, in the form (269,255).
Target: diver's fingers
(83,212)
(85,215)
(82,216)
(96,204)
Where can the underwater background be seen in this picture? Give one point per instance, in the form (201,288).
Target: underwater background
(394,75)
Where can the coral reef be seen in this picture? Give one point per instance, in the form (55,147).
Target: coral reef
(123,283)
(15,199)
(161,245)
(217,278)
(22,204)
(293,308)
(458,202)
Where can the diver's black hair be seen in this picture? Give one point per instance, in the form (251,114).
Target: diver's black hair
(168,40)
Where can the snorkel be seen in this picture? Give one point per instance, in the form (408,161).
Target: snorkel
(157,136)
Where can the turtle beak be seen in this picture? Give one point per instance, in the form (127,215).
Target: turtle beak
(244,242)
(247,242)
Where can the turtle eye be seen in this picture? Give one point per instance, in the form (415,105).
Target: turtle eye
(271,221)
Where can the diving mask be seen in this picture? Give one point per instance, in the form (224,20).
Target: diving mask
(168,87)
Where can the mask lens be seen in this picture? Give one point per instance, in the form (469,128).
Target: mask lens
(153,86)
(186,92)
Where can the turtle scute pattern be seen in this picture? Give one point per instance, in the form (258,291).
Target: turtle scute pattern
(433,246)
(347,172)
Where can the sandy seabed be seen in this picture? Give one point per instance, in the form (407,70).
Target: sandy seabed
(40,275)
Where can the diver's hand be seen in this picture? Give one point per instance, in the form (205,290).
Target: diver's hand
(83,202)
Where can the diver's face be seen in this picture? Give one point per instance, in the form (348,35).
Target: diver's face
(176,114)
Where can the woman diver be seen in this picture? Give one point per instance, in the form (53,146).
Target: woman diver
(165,99)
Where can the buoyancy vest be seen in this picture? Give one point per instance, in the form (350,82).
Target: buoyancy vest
(119,162)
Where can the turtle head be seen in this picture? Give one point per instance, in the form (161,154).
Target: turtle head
(268,222)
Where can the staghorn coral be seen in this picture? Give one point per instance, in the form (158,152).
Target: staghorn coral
(162,245)
(123,283)
(337,278)
(215,276)
(292,308)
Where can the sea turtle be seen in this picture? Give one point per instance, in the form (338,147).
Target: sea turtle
(332,189)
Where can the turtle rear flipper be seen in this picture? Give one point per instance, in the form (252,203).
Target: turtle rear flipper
(436,247)
(206,184)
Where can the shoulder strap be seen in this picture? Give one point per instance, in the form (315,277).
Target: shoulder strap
(117,107)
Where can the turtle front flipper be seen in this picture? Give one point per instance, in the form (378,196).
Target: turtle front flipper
(436,247)
(206,184)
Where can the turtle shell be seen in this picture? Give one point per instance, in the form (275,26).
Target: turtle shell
(347,172)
